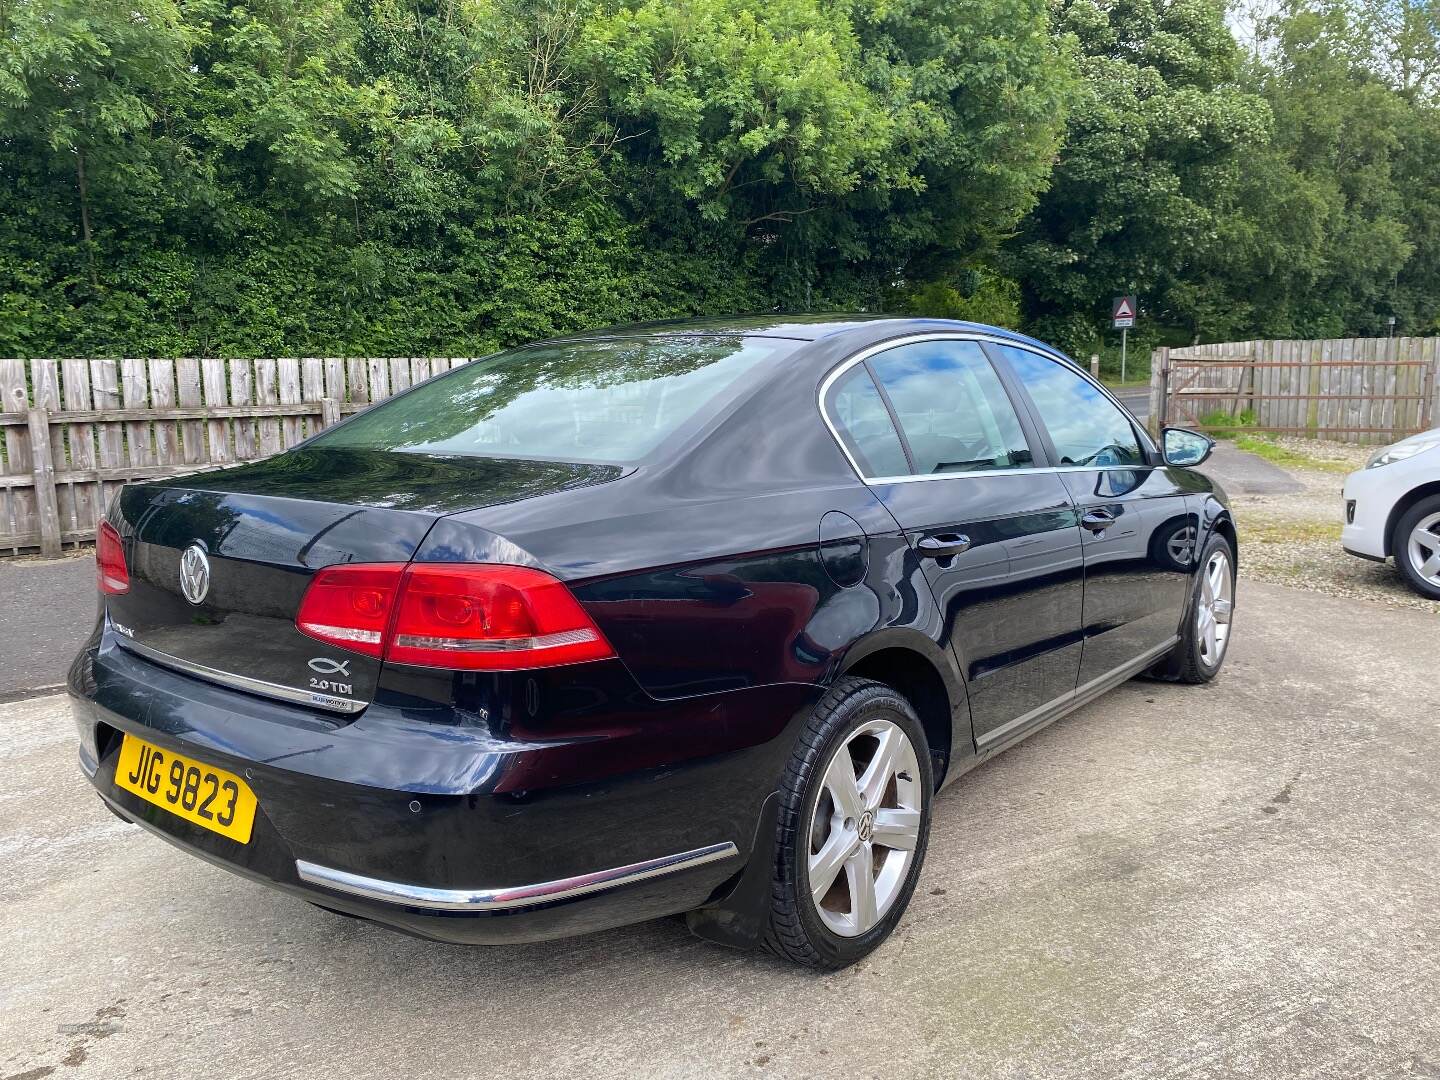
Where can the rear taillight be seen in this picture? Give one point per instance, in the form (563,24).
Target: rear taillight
(110,568)
(484,617)
(350,606)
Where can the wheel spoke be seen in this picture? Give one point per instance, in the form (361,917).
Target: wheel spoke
(876,777)
(860,876)
(825,864)
(1212,648)
(840,782)
(1217,579)
(898,829)
(1220,609)
(1426,541)
(1432,565)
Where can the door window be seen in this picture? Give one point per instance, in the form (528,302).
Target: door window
(1086,427)
(951,407)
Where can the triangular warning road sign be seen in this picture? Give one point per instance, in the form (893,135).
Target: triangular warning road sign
(1123,310)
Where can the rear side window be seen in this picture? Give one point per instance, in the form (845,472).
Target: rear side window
(610,401)
(864,425)
(952,408)
(1086,427)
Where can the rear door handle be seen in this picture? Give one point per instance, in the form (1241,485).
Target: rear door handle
(943,545)
(1098,521)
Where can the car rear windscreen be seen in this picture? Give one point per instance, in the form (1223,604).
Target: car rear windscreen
(610,401)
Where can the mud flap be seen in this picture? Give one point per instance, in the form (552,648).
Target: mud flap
(738,918)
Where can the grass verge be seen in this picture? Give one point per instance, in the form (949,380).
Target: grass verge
(1260,446)
(1257,530)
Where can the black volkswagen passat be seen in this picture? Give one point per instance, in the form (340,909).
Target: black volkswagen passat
(683,618)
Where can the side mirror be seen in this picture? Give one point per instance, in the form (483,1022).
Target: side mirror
(1185,448)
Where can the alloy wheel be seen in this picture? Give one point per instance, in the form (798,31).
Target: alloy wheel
(865,827)
(1423,548)
(1181,546)
(1213,612)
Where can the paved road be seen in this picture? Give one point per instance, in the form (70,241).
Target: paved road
(1238,880)
(46,610)
(1249,474)
(1136,399)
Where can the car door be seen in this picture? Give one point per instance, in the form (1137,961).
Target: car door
(933,429)
(1137,525)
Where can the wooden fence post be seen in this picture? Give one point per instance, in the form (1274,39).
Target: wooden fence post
(1430,394)
(329,412)
(1159,389)
(43,469)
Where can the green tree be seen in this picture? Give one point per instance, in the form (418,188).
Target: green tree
(86,89)
(1356,126)
(850,148)
(1152,154)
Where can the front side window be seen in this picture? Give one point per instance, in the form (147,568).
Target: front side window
(951,407)
(610,401)
(1086,427)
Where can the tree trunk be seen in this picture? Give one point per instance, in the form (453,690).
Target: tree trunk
(85,215)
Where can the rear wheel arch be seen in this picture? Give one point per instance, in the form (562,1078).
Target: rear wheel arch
(1402,506)
(919,678)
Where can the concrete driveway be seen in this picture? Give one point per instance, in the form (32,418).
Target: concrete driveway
(1237,880)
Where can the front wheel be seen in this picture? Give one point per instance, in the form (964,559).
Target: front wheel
(1205,637)
(1416,545)
(853,825)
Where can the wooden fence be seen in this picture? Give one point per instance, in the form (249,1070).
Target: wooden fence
(72,431)
(1358,390)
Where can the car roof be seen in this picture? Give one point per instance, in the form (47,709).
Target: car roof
(804,327)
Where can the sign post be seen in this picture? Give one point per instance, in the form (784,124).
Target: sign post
(1122,317)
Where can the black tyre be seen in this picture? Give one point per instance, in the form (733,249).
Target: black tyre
(853,826)
(1205,635)
(1415,544)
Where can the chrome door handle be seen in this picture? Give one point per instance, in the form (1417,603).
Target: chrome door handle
(1097,521)
(943,545)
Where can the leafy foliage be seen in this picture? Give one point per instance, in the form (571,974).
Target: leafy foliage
(243,177)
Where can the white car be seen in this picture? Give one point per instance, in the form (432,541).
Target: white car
(1392,508)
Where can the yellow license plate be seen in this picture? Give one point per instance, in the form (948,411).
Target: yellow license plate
(212,798)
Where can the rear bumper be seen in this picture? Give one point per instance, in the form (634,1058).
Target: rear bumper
(515,897)
(608,808)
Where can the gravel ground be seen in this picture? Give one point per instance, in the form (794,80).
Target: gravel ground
(1343,457)
(1294,539)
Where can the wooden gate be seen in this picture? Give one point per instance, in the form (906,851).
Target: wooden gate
(1355,390)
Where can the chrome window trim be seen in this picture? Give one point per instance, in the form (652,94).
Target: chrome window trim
(328,702)
(960,335)
(517,896)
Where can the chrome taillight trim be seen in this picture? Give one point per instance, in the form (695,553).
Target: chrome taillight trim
(582,636)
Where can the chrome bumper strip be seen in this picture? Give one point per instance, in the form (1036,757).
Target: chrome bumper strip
(518,896)
(328,702)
